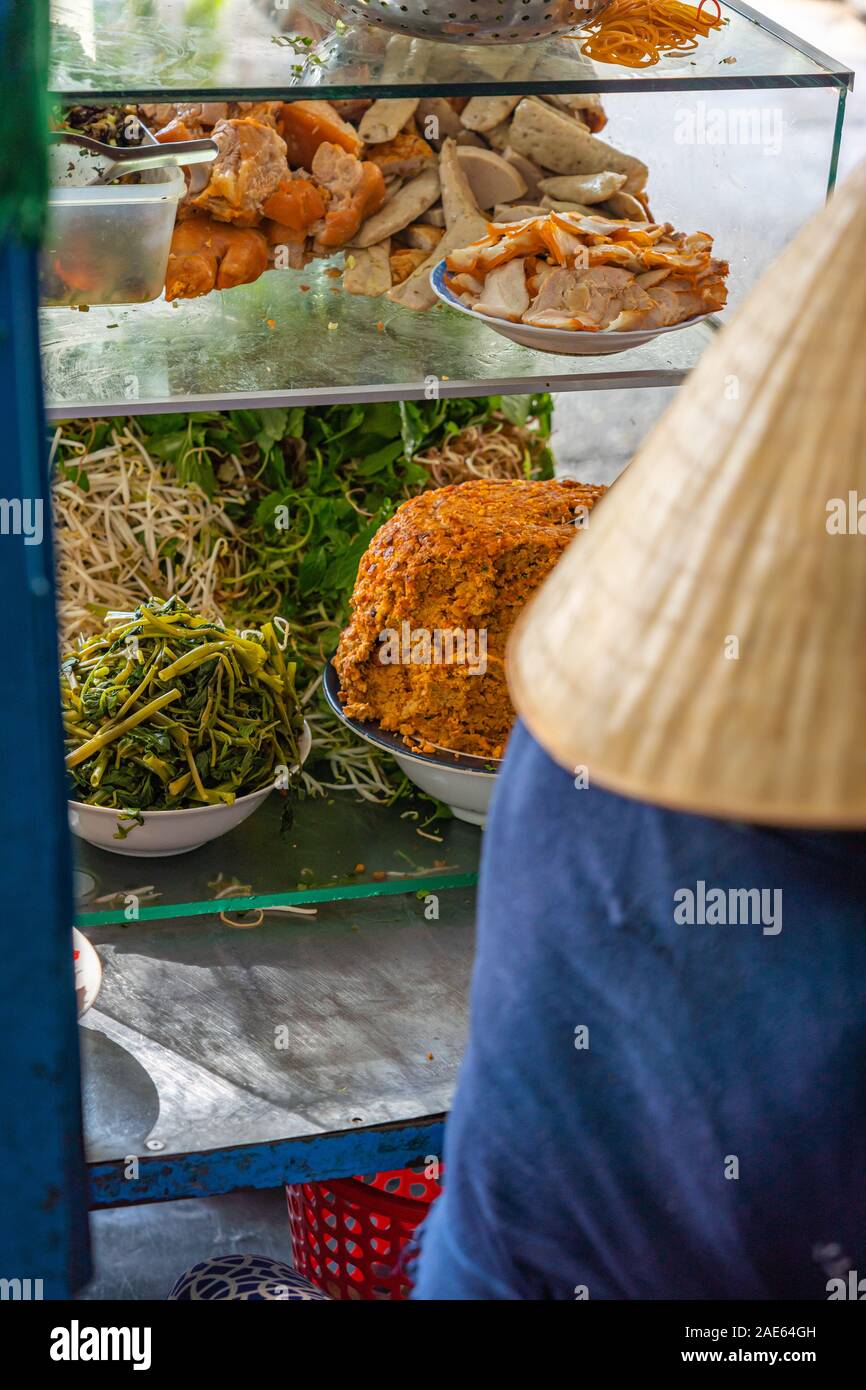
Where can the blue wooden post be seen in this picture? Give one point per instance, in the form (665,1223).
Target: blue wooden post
(43,1223)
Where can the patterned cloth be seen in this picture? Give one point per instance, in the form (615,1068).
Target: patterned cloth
(254,1278)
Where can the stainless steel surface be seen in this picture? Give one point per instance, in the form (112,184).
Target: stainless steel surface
(140,1252)
(205,1036)
(476,21)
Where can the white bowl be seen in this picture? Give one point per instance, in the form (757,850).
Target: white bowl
(88,972)
(463,782)
(566,341)
(168,832)
(465,791)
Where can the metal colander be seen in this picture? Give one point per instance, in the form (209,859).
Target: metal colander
(477,21)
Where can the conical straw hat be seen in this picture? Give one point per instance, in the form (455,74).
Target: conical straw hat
(703,643)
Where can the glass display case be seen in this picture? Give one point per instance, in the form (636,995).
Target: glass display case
(139,50)
(206,957)
(741,139)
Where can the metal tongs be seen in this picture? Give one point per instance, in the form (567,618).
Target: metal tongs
(132,159)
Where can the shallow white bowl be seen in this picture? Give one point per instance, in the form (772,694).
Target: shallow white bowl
(88,972)
(168,832)
(464,783)
(566,341)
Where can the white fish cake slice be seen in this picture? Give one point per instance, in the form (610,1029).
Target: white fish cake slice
(552,139)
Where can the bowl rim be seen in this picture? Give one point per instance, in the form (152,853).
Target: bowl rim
(582,335)
(469,764)
(305,743)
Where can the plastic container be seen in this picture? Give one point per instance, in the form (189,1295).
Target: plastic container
(106,245)
(349,1236)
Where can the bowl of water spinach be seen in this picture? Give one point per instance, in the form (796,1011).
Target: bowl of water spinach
(177,728)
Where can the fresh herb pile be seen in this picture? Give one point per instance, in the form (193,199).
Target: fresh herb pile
(310,486)
(166,709)
(275,509)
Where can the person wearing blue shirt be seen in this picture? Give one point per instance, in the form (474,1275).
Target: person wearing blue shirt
(664,1090)
(648,1108)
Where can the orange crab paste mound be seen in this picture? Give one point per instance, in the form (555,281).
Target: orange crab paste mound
(438,592)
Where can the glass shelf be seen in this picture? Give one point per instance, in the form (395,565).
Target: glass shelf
(205,1038)
(130,50)
(294,337)
(315,861)
(241,347)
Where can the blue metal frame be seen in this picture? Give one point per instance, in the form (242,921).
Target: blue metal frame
(44,1185)
(376,1149)
(43,1231)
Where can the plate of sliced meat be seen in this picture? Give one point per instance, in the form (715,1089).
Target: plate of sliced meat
(577,284)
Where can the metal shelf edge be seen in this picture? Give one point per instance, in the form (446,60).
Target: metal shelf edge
(309,1158)
(349,395)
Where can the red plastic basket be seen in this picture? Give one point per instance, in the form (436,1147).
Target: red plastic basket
(349,1235)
